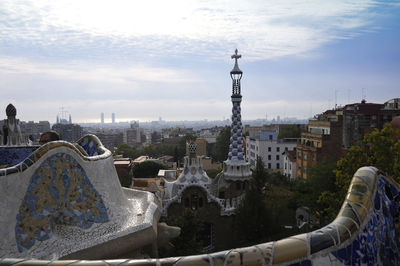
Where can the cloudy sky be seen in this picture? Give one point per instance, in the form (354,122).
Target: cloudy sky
(148,59)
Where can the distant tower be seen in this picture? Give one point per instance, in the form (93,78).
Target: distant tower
(58,120)
(113,118)
(70,119)
(102,118)
(235,167)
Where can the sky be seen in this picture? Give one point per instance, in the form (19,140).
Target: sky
(171,59)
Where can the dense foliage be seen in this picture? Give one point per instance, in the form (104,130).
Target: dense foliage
(188,242)
(252,219)
(222,145)
(155,151)
(147,169)
(289,131)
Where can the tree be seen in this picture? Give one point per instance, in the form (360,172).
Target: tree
(147,169)
(188,241)
(252,219)
(314,191)
(380,148)
(289,131)
(126,151)
(222,144)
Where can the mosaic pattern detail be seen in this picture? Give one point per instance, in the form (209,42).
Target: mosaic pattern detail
(89,145)
(14,155)
(378,243)
(59,193)
(236,141)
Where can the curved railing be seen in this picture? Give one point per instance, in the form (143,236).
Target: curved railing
(366,231)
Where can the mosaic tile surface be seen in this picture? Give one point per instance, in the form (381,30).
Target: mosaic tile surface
(13,156)
(378,243)
(59,193)
(89,146)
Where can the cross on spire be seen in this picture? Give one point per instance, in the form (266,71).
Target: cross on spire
(236,69)
(236,56)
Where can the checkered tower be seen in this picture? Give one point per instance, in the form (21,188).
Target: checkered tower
(236,167)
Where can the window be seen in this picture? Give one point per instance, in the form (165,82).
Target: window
(277,157)
(270,137)
(277,149)
(269,157)
(313,157)
(285,166)
(305,169)
(299,154)
(269,165)
(269,148)
(278,166)
(222,194)
(305,156)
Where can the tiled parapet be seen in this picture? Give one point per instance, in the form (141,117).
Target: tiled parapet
(365,232)
(61,202)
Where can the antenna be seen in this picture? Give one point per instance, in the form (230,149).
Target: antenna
(363,94)
(336,91)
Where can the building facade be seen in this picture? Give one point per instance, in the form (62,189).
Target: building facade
(289,164)
(362,118)
(321,142)
(269,148)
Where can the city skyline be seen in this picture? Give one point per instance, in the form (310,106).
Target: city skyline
(141,62)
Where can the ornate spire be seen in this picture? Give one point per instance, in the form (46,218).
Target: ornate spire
(236,167)
(236,74)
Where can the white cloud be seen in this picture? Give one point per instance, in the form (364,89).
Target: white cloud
(262,29)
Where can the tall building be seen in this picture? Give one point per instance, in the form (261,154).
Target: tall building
(113,118)
(102,118)
(70,119)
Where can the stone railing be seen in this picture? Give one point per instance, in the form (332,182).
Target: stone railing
(366,231)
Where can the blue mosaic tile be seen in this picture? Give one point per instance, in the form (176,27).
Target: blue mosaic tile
(15,155)
(59,192)
(378,243)
(89,146)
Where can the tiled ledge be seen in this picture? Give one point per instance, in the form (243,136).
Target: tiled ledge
(103,153)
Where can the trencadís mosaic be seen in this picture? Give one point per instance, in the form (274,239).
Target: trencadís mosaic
(59,192)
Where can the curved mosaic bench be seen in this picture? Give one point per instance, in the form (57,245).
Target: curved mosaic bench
(364,232)
(65,201)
